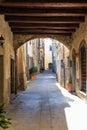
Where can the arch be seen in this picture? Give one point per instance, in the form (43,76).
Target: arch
(83,43)
(83,65)
(74,69)
(21,39)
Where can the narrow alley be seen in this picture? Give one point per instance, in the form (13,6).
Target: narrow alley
(43,64)
(44,105)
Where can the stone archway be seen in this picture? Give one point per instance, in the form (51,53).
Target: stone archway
(21,39)
(83,65)
(74,69)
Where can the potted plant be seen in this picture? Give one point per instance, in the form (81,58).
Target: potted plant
(4,122)
(33,71)
(69,84)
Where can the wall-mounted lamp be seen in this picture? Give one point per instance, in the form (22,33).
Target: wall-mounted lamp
(1,40)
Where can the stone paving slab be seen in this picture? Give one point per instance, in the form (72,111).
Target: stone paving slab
(45,105)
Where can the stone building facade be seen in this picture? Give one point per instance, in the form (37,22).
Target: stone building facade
(48,53)
(7,63)
(74,59)
(36,52)
(28,57)
(79,59)
(41,52)
(62,63)
(21,70)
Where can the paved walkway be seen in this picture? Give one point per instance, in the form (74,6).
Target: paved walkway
(47,106)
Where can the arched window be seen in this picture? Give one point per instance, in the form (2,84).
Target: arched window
(83,68)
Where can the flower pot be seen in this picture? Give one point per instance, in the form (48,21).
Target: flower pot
(33,71)
(33,77)
(69,87)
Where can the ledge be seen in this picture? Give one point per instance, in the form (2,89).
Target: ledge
(83,93)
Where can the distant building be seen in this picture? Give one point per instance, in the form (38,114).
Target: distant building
(54,55)
(62,63)
(36,52)
(28,57)
(41,52)
(48,53)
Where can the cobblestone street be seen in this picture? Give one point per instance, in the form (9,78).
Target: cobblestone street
(47,106)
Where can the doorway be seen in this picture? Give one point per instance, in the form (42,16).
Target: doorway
(12,76)
(1,78)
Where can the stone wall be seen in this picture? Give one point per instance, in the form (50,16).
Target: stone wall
(21,69)
(7,53)
(79,37)
(21,39)
(47,53)
(62,54)
(36,54)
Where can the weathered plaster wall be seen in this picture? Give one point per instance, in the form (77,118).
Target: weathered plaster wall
(36,54)
(62,64)
(7,51)
(47,53)
(78,37)
(21,70)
